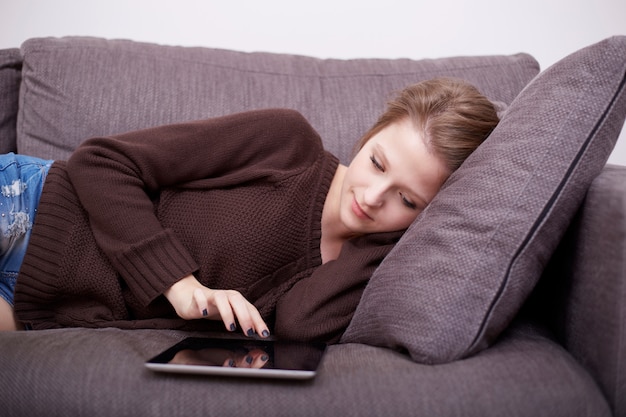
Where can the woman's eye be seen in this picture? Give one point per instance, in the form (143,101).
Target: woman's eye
(408,202)
(376,164)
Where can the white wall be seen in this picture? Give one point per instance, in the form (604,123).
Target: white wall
(547,29)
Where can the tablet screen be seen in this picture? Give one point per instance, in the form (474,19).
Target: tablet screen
(241,357)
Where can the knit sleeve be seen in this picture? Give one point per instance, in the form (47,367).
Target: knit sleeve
(321,306)
(118,178)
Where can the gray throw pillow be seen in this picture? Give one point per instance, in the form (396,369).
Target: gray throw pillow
(10,77)
(463,269)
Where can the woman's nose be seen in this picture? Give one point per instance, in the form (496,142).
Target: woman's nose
(373,195)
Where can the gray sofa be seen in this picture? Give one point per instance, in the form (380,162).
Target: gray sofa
(507,297)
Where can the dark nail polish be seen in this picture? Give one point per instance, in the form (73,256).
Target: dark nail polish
(231,363)
(249,359)
(250,332)
(265,333)
(264,358)
(205,312)
(233,327)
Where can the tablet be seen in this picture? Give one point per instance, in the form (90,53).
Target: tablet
(241,357)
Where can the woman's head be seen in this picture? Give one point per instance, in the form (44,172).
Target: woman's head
(402,162)
(451,115)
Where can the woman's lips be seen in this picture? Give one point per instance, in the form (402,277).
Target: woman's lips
(358,211)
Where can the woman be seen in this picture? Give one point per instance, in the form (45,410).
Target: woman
(243,219)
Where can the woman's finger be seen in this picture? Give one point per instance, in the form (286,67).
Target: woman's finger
(239,306)
(222,303)
(249,317)
(201,302)
(259,323)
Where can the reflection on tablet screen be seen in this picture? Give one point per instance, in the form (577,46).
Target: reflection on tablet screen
(277,358)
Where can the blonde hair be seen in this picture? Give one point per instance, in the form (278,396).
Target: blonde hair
(452,116)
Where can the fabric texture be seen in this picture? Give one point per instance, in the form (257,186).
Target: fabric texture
(464,268)
(109,265)
(10,78)
(100,372)
(76,88)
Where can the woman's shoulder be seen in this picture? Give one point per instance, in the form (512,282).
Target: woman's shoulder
(286,134)
(286,115)
(285,124)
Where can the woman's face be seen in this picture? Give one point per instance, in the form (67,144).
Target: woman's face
(390,181)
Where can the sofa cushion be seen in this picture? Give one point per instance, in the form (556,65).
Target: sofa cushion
(10,77)
(75,88)
(100,372)
(463,269)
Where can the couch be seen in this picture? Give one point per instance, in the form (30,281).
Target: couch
(506,297)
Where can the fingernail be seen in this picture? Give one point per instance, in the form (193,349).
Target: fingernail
(250,332)
(249,359)
(264,358)
(265,333)
(231,363)
(205,312)
(233,327)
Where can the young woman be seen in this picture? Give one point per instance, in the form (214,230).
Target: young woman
(243,219)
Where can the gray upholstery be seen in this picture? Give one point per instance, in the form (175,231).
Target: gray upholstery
(563,355)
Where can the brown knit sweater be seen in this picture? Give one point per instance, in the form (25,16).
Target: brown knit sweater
(236,200)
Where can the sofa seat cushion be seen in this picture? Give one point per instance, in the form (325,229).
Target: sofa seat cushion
(101,373)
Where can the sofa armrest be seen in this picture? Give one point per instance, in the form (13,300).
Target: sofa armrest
(587,277)
(10,78)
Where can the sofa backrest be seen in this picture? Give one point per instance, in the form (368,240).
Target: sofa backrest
(75,88)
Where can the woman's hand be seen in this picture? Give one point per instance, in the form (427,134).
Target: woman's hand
(192,300)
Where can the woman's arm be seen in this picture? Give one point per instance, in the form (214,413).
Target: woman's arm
(321,306)
(117,178)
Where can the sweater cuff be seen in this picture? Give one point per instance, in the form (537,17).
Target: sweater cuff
(152,266)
